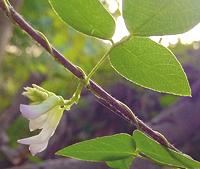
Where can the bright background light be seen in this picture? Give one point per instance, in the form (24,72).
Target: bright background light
(189,37)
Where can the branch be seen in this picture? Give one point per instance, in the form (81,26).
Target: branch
(102,96)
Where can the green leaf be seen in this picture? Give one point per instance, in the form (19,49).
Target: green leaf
(150,65)
(160,17)
(86,16)
(161,154)
(121,164)
(106,148)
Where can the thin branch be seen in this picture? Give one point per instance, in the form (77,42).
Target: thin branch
(110,102)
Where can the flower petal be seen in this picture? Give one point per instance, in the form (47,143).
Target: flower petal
(34,111)
(37,148)
(48,130)
(29,140)
(44,135)
(37,123)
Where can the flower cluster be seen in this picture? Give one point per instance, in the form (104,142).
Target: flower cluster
(45,114)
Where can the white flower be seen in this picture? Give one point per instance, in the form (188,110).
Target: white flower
(45,116)
(34,111)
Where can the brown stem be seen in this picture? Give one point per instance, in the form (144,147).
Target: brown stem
(103,97)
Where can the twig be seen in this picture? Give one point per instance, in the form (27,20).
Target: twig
(110,102)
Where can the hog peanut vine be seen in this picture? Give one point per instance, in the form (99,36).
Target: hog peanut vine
(136,57)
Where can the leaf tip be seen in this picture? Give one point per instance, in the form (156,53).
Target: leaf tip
(188,91)
(59,153)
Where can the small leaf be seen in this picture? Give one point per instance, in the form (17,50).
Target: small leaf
(161,154)
(86,16)
(107,148)
(160,17)
(150,65)
(121,164)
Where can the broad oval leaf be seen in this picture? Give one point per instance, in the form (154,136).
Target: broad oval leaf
(161,154)
(160,17)
(86,16)
(106,148)
(121,164)
(150,65)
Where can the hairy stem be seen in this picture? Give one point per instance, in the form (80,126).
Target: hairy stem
(102,96)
